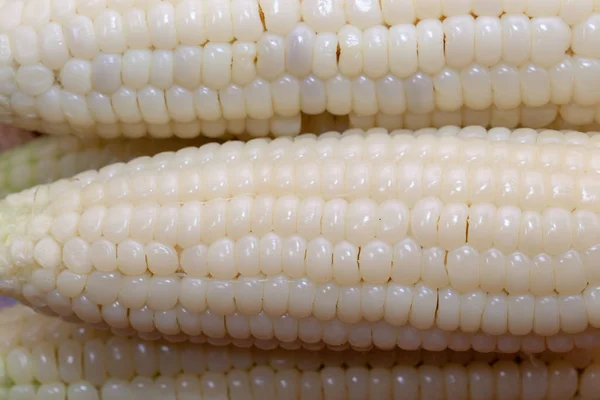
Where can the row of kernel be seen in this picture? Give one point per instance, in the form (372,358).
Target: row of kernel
(333,315)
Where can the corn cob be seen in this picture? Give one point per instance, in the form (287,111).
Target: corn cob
(50,158)
(447,238)
(80,66)
(54,361)
(47,159)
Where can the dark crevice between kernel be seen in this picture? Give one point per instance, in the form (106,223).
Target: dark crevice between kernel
(262,17)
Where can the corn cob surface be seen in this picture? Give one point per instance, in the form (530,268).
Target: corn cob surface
(439,239)
(49,158)
(190,67)
(549,117)
(43,358)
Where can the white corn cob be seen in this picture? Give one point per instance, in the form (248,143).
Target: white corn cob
(82,66)
(50,158)
(439,239)
(47,159)
(42,358)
